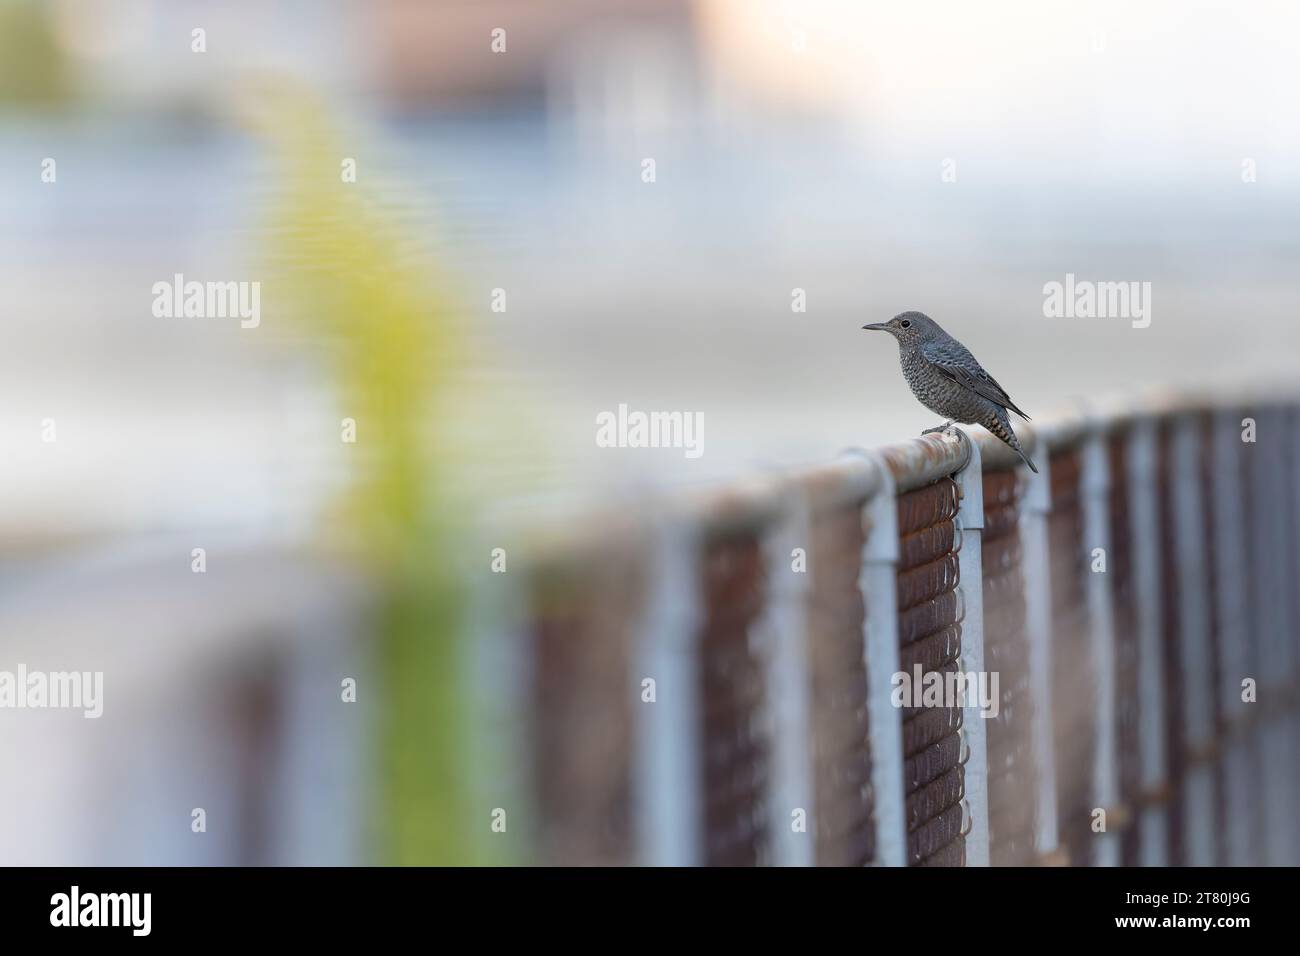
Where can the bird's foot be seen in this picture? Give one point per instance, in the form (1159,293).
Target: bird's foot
(938,428)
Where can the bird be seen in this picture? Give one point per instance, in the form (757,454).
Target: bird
(947,379)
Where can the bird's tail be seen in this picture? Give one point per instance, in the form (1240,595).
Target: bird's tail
(1001,428)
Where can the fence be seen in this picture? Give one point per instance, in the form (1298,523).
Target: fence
(221,693)
(709,680)
(711,683)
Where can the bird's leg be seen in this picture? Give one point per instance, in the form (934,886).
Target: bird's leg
(938,428)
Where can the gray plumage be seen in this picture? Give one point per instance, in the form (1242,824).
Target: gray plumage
(946,379)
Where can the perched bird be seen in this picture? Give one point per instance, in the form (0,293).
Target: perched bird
(946,379)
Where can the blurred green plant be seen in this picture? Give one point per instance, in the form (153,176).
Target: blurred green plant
(33,70)
(389,331)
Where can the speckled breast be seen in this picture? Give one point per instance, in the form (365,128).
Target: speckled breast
(936,392)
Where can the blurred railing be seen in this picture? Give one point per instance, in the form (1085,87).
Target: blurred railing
(223,738)
(709,682)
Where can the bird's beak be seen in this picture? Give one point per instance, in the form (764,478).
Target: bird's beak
(877,326)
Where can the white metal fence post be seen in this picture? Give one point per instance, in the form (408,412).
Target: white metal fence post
(318,789)
(787,674)
(502,663)
(879,584)
(970,520)
(1095,487)
(1035,508)
(1145,524)
(667,770)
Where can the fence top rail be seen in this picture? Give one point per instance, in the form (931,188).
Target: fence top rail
(1117,412)
(1069,426)
(753,502)
(559,530)
(918,462)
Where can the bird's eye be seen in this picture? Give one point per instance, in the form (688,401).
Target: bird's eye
(906,323)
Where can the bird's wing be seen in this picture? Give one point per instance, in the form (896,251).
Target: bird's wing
(954,361)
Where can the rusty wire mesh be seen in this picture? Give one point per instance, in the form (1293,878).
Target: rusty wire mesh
(1124,596)
(836,615)
(1206,478)
(1174,724)
(1006,651)
(930,635)
(736,751)
(1073,681)
(582,614)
